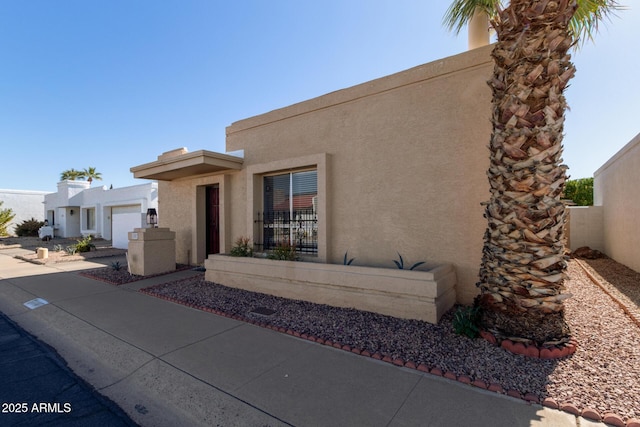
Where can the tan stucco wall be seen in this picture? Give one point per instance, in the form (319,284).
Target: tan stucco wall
(151,251)
(181,208)
(406,163)
(422,295)
(616,186)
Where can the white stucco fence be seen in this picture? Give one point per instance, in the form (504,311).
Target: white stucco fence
(586,227)
(616,186)
(25,204)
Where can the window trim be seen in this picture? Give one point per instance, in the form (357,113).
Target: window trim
(291,223)
(84,219)
(255,202)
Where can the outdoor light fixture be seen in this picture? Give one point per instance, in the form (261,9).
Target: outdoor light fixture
(152,217)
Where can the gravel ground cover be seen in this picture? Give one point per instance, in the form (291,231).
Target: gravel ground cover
(619,281)
(103,249)
(602,375)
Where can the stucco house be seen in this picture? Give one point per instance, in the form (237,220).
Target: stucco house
(77,210)
(394,166)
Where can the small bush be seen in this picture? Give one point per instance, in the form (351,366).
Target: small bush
(29,228)
(85,245)
(580,191)
(242,248)
(466,321)
(284,251)
(70,250)
(116,265)
(58,248)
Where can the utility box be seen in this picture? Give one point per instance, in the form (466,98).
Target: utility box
(151,251)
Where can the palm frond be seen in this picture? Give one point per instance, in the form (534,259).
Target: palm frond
(590,13)
(461,11)
(584,24)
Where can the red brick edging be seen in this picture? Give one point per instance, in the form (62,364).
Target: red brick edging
(570,348)
(531,350)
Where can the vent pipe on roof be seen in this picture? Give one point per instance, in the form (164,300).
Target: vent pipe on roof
(478,30)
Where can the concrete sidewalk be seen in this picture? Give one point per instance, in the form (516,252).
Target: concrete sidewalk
(167,364)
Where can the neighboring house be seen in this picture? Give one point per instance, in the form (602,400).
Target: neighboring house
(393,166)
(79,210)
(25,205)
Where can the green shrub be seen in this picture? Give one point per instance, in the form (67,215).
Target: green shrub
(284,251)
(580,191)
(116,266)
(70,250)
(466,321)
(29,228)
(242,247)
(84,245)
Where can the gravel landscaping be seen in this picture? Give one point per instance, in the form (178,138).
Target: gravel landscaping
(120,275)
(102,249)
(602,377)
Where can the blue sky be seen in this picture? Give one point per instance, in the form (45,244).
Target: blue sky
(113,84)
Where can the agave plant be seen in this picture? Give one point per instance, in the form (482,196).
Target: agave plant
(346,260)
(400,263)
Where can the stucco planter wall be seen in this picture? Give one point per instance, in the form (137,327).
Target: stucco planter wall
(422,295)
(151,251)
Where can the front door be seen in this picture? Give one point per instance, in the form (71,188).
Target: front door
(213,219)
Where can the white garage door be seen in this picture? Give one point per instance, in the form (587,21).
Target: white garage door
(123,220)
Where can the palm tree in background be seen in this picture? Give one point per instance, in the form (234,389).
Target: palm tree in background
(71,174)
(90,174)
(523,262)
(6,216)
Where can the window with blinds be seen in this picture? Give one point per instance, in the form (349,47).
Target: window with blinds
(296,191)
(290,210)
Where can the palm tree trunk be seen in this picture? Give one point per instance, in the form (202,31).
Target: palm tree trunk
(523,264)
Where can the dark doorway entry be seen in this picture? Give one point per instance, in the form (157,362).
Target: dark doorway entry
(213,219)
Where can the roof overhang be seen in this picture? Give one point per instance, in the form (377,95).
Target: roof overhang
(187,165)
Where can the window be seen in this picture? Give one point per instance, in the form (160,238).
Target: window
(91,219)
(290,210)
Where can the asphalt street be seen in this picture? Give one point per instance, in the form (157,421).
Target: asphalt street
(39,389)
